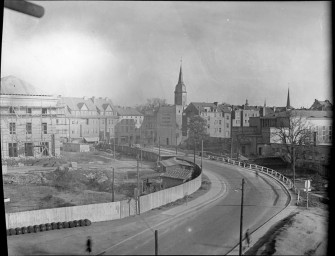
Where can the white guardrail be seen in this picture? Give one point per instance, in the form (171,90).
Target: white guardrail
(288,182)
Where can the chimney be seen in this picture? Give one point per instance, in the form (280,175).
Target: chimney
(274,109)
(93,98)
(216,103)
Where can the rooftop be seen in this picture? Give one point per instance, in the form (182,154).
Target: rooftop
(11,85)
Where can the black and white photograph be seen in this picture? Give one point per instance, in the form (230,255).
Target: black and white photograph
(166,127)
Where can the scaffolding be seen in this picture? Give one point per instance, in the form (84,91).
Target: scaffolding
(29,131)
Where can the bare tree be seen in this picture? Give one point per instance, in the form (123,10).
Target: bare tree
(151,104)
(294,132)
(196,131)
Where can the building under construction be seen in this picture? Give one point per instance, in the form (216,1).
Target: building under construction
(28,120)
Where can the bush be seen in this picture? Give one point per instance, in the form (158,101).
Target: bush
(24,230)
(30,229)
(36,228)
(65,224)
(12,232)
(42,227)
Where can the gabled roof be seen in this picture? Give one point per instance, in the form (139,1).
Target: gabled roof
(127,111)
(75,104)
(11,85)
(102,104)
(180,174)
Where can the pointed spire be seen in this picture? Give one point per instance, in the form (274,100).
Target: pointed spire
(180,80)
(288,99)
(264,102)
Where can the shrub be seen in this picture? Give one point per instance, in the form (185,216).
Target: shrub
(12,231)
(60,225)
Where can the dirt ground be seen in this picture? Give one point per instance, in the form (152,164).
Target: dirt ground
(39,186)
(304,232)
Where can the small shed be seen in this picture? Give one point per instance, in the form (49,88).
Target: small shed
(172,164)
(176,177)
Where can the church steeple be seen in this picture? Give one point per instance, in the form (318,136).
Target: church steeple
(288,105)
(180,93)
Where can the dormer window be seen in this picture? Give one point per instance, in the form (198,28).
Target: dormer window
(11,110)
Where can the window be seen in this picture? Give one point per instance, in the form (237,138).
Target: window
(208,126)
(28,111)
(44,128)
(28,128)
(219,121)
(323,133)
(227,125)
(57,121)
(11,110)
(12,150)
(44,111)
(330,133)
(12,128)
(219,130)
(28,149)
(87,121)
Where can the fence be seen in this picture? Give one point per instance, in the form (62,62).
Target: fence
(286,181)
(104,211)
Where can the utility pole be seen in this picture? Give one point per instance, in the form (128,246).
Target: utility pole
(202,151)
(176,145)
(138,187)
(159,148)
(293,163)
(241,221)
(231,149)
(113,186)
(156,242)
(114,148)
(194,153)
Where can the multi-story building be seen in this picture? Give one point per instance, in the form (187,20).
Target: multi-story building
(149,128)
(87,119)
(218,118)
(321,105)
(28,120)
(128,128)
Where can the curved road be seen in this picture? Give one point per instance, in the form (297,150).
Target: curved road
(214,229)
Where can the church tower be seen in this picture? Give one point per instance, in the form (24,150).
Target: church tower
(180,94)
(288,105)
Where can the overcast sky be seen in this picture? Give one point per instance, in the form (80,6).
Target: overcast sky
(131,51)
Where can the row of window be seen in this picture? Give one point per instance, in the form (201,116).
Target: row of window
(12,128)
(28,149)
(12,110)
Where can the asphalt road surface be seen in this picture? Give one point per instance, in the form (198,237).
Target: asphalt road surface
(213,229)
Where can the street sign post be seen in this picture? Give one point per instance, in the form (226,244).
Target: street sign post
(307,189)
